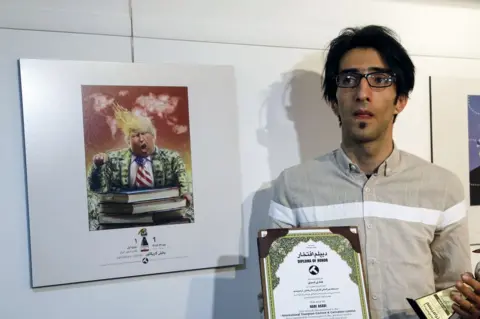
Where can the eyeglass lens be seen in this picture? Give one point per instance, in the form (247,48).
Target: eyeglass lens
(377,79)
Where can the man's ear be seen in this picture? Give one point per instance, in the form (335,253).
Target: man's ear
(401,104)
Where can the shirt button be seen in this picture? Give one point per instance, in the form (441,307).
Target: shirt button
(369,226)
(374,297)
(367,189)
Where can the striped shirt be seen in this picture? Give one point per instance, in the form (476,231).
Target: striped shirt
(411,217)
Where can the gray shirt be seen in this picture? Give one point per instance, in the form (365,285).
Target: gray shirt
(411,217)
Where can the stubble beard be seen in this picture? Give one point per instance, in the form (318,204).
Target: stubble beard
(363,133)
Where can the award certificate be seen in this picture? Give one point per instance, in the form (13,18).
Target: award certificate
(312,273)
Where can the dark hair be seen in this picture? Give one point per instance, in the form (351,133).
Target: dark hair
(385,42)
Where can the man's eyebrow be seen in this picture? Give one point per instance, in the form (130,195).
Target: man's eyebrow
(349,70)
(370,69)
(378,69)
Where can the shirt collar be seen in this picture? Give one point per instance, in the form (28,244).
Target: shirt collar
(149,157)
(387,168)
(146,157)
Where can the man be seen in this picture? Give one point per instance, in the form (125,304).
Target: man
(141,165)
(410,213)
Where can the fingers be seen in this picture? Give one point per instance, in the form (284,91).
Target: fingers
(469,279)
(468,297)
(470,292)
(460,300)
(463,314)
(465,305)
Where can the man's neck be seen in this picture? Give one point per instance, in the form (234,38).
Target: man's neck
(368,156)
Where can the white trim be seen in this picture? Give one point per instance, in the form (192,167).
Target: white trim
(369,209)
(315,214)
(282,213)
(404,213)
(329,212)
(454,214)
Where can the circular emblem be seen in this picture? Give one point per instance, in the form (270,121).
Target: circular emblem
(313,270)
(145,260)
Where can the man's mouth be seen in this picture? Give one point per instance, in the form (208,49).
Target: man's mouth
(363,114)
(143,146)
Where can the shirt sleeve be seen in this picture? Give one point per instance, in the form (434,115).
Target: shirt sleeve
(281,212)
(451,247)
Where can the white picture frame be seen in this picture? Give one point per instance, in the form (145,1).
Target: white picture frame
(67,245)
(451,99)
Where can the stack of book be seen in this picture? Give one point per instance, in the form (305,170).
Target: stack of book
(141,207)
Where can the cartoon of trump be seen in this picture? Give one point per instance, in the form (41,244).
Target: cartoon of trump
(140,165)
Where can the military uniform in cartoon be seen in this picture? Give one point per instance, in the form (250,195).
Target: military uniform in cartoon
(166,168)
(141,165)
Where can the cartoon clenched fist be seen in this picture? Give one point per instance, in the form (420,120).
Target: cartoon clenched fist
(100,159)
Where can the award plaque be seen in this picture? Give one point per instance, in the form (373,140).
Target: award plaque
(312,273)
(437,305)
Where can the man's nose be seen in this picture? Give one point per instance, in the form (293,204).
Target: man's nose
(363,90)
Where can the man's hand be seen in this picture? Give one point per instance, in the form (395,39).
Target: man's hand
(100,159)
(468,305)
(189,199)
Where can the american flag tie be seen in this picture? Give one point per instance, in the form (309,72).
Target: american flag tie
(143,178)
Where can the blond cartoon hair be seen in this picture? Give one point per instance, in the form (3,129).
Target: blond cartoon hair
(130,123)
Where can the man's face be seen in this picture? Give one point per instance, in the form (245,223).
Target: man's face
(142,143)
(366,112)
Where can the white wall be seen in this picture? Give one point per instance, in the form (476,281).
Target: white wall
(273,47)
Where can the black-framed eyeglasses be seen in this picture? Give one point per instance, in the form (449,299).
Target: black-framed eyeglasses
(378,79)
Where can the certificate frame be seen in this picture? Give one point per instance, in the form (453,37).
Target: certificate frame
(287,241)
(65,246)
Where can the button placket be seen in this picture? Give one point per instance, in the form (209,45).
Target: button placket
(372,246)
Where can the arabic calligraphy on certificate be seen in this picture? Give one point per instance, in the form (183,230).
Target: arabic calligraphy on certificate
(312,273)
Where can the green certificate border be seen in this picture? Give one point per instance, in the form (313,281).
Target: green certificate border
(284,245)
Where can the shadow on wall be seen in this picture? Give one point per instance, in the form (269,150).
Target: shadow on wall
(316,132)
(299,126)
